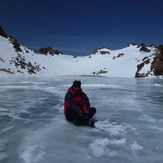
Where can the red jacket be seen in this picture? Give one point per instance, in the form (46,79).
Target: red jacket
(77,101)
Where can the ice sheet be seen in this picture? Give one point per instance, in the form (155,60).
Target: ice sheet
(128,128)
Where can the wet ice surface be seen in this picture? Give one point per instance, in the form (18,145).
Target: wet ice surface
(34,130)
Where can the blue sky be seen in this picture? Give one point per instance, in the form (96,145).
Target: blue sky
(77,27)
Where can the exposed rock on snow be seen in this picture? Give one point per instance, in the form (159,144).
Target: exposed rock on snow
(102,51)
(48,50)
(6,70)
(20,61)
(143,48)
(2,32)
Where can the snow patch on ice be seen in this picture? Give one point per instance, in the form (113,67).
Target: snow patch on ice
(8,128)
(32,82)
(116,137)
(147,118)
(100,148)
(13,87)
(135,148)
(158,85)
(100,85)
(112,128)
(160,129)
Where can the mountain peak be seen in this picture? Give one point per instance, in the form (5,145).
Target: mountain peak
(48,50)
(102,51)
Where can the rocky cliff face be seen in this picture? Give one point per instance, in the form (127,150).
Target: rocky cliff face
(156,66)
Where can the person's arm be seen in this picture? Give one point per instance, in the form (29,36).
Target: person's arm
(86,101)
(70,101)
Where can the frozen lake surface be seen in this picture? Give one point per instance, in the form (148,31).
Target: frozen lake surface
(129,127)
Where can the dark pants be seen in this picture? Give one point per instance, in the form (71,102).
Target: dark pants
(74,117)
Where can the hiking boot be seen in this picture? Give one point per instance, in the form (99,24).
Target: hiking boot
(91,124)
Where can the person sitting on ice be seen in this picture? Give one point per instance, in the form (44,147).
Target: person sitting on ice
(77,106)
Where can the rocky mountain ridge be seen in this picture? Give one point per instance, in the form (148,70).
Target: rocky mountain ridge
(156,66)
(131,61)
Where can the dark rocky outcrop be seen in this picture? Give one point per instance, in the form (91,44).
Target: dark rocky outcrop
(47,51)
(119,55)
(1,60)
(2,32)
(143,48)
(156,67)
(140,66)
(130,44)
(157,64)
(100,72)
(6,70)
(15,43)
(103,52)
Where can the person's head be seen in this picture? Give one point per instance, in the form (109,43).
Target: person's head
(76,85)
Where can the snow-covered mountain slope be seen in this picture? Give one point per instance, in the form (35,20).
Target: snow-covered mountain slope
(123,62)
(131,61)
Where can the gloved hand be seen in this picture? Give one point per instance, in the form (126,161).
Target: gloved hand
(86,114)
(80,113)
